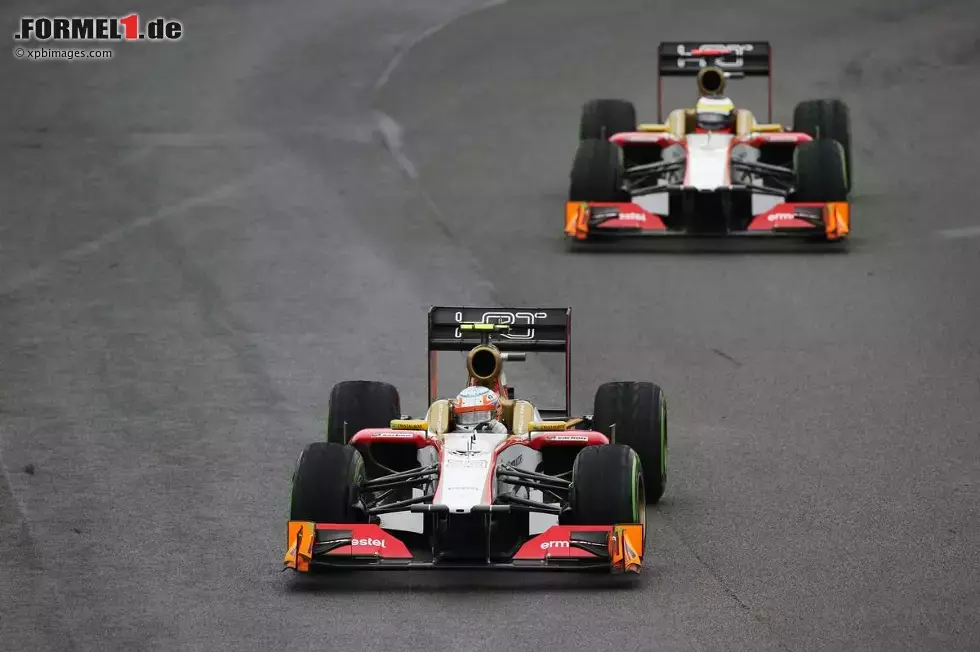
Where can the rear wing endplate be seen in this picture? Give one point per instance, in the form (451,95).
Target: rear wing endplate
(739,59)
(531,329)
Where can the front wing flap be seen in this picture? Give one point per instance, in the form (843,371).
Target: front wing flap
(584,220)
(617,548)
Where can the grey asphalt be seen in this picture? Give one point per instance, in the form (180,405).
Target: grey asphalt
(199,238)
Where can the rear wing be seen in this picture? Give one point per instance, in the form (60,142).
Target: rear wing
(686,58)
(531,329)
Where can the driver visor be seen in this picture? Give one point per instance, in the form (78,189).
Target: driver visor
(714,120)
(474,417)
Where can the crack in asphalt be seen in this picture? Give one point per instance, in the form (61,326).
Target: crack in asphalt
(725,586)
(724,355)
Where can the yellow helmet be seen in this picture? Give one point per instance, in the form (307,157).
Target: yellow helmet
(715,114)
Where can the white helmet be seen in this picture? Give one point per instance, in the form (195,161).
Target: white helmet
(474,406)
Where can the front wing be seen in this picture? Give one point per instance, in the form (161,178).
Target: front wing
(586,220)
(617,548)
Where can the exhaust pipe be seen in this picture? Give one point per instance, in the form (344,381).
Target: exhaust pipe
(484,363)
(711,81)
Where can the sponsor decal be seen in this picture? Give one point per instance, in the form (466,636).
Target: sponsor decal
(605,212)
(520,318)
(394,435)
(457,463)
(548,545)
(781,138)
(568,438)
(377,543)
(517,460)
(781,217)
(646,137)
(808,211)
(632,217)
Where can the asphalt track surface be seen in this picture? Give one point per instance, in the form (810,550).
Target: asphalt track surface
(199,238)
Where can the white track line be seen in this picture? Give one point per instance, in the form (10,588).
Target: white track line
(92,246)
(390,130)
(963,232)
(397,59)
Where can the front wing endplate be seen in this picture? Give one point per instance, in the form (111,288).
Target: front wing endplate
(617,548)
(584,220)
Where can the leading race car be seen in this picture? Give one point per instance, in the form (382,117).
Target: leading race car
(484,480)
(711,170)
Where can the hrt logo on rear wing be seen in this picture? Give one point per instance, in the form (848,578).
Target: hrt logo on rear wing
(687,58)
(531,329)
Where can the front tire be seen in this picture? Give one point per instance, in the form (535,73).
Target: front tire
(820,175)
(602,119)
(597,173)
(361,404)
(607,487)
(827,120)
(639,412)
(326,485)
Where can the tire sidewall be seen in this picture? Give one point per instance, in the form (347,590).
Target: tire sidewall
(608,487)
(326,484)
(639,410)
(820,169)
(597,173)
(362,404)
(827,119)
(603,118)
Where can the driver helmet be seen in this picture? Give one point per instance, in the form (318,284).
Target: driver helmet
(474,406)
(715,114)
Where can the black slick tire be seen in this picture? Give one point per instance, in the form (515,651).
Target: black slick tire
(827,120)
(361,404)
(597,173)
(638,409)
(326,485)
(603,118)
(607,486)
(820,175)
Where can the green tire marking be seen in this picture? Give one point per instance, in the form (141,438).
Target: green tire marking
(636,505)
(663,436)
(843,163)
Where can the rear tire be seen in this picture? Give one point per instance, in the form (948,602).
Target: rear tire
(820,175)
(607,487)
(639,412)
(601,119)
(362,404)
(326,485)
(826,120)
(597,173)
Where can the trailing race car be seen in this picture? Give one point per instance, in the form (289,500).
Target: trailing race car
(484,480)
(711,170)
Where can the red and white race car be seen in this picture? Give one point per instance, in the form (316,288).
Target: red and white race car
(535,489)
(711,170)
